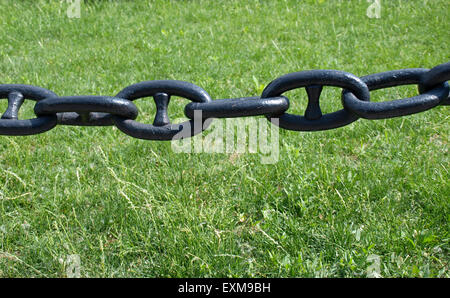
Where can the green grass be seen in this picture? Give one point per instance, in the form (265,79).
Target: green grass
(134,208)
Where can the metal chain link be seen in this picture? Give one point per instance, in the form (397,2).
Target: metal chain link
(120,110)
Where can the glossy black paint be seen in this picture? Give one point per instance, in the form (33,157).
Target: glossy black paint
(313,80)
(16,94)
(162,129)
(436,76)
(238,107)
(399,107)
(87,104)
(121,111)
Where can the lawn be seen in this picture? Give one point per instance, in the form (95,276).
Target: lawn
(369,197)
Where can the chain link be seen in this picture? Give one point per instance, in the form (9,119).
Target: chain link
(51,109)
(400,107)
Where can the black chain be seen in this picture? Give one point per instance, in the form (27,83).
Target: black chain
(120,110)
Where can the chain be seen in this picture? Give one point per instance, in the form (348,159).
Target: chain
(51,109)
